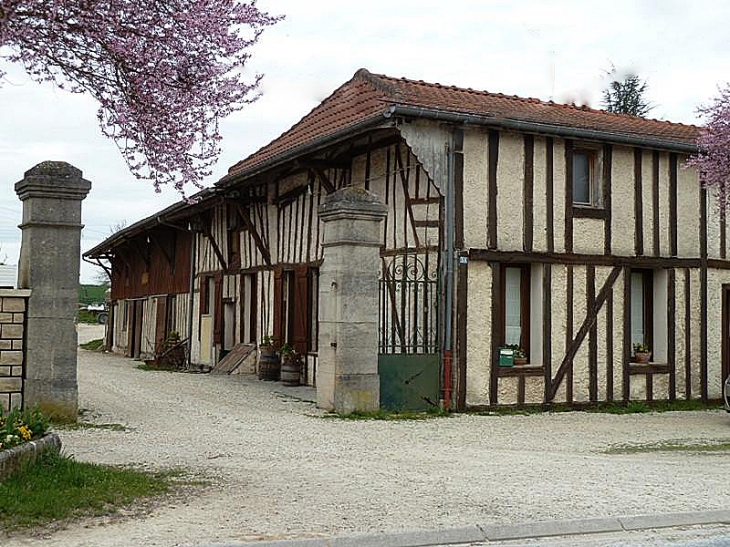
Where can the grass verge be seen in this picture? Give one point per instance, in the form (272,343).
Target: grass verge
(387,415)
(633,407)
(718,445)
(92,345)
(57,488)
(73,426)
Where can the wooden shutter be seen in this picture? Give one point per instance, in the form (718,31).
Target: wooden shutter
(160,323)
(300,325)
(204,299)
(278,305)
(218,311)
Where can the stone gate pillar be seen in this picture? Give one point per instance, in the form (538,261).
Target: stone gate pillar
(51,193)
(347,365)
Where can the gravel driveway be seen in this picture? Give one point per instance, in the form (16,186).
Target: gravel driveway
(277,468)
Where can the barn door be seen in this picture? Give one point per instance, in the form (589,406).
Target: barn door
(300,308)
(161,323)
(218,310)
(278,304)
(138,318)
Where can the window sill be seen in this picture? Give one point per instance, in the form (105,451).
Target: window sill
(521,370)
(588,211)
(648,368)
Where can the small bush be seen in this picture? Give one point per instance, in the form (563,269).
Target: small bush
(20,426)
(93,345)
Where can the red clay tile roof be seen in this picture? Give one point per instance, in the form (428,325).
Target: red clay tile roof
(367,96)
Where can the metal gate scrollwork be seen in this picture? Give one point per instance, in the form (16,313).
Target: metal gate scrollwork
(409,298)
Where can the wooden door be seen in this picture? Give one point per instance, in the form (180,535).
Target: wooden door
(138,318)
(300,309)
(161,330)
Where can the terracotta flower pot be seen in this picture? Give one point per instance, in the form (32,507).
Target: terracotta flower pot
(642,357)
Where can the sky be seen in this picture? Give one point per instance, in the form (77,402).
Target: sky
(557,50)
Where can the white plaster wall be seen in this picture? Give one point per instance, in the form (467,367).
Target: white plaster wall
(713,227)
(618,336)
(534,390)
(558,301)
(428,140)
(638,387)
(510,196)
(715,280)
(688,212)
(539,194)
(580,309)
(647,200)
(588,235)
(695,320)
(507,390)
(476,195)
(664,241)
(679,333)
(478,339)
(559,194)
(622,201)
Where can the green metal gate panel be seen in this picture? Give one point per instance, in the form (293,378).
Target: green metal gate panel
(408,381)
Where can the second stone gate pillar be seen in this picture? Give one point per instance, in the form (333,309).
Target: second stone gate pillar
(347,365)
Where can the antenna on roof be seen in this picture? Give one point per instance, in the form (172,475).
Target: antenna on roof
(552,74)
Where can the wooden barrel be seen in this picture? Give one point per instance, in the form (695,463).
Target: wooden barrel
(269,368)
(290,369)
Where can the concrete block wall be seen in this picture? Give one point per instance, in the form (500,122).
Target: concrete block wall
(13,306)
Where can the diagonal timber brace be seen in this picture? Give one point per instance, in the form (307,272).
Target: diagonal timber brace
(588,322)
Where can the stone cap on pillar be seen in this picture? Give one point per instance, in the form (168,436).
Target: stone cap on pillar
(352,202)
(53,179)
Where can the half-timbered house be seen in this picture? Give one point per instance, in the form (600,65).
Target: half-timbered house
(570,232)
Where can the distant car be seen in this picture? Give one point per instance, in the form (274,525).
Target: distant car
(726,394)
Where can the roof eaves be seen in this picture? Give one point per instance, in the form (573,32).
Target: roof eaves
(148,222)
(649,141)
(304,148)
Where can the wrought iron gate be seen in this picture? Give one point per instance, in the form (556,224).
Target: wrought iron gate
(409,332)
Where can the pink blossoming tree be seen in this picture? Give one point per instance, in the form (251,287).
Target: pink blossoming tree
(713,160)
(165,72)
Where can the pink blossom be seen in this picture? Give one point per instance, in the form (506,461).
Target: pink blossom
(713,160)
(163,71)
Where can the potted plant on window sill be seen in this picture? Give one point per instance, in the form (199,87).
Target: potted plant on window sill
(520,355)
(642,353)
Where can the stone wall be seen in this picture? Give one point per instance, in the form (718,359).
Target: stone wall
(13,305)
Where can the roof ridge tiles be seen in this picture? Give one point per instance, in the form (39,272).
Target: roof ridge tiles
(533,100)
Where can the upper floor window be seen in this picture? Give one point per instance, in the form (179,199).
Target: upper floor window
(586,179)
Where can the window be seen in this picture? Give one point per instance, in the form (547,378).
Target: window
(648,306)
(516,306)
(642,307)
(586,180)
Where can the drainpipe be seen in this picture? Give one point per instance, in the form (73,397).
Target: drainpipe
(448,260)
(193,246)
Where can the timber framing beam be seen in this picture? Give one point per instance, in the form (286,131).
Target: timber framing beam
(324,180)
(243,212)
(205,224)
(578,259)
